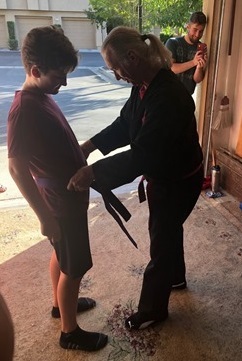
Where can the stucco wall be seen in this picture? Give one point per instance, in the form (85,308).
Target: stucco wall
(63,5)
(59,11)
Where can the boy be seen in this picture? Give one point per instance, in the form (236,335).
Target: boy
(43,153)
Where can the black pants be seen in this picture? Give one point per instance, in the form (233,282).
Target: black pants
(170,203)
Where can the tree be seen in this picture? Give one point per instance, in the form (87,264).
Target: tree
(169,15)
(103,11)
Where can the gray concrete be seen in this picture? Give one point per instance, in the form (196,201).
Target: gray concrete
(91,100)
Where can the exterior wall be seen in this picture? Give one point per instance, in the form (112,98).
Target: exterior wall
(25,23)
(229,78)
(3,32)
(62,5)
(31,13)
(237,86)
(224,77)
(80,32)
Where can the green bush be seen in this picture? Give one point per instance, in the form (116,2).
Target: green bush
(12,41)
(113,22)
(57,26)
(13,44)
(11,29)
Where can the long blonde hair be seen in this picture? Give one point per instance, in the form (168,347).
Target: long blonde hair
(123,39)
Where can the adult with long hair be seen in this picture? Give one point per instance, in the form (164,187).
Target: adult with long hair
(158,123)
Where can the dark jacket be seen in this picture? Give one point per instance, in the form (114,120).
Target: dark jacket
(161,131)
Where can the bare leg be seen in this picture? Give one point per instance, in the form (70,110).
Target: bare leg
(67,293)
(55,275)
(72,336)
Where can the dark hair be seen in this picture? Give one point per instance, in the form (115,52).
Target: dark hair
(49,49)
(198,18)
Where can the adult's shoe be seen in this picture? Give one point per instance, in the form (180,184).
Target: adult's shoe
(179,285)
(140,321)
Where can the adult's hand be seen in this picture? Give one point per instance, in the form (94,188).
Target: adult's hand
(198,57)
(200,70)
(202,62)
(87,148)
(82,179)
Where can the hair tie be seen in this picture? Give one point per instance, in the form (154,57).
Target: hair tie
(144,37)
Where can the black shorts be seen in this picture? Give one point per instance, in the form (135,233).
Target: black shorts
(73,250)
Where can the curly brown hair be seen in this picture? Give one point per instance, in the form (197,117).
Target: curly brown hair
(49,49)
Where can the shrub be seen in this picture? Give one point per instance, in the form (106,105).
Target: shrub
(12,41)
(13,44)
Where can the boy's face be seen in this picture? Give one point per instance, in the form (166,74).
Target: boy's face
(51,81)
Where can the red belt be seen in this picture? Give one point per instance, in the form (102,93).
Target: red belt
(193,172)
(141,188)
